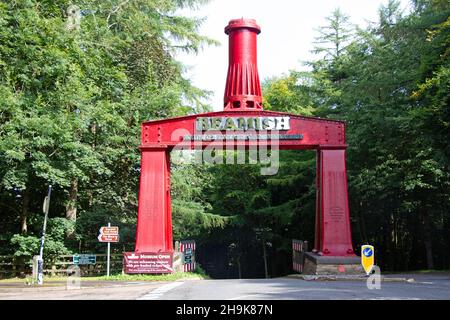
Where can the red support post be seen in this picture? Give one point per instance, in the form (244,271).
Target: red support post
(333,232)
(318,230)
(154,225)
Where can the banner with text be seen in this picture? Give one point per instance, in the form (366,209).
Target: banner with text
(148,262)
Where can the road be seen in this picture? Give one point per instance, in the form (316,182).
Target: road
(294,289)
(89,291)
(424,287)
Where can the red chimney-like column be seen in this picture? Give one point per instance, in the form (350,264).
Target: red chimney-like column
(243,89)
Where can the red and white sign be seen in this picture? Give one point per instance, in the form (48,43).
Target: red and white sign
(108,234)
(108,238)
(109,230)
(148,262)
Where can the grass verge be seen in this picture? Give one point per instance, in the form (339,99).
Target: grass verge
(121,277)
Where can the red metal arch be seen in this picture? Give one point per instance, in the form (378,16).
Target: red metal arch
(243,100)
(333,233)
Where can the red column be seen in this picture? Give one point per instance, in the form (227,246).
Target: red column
(333,232)
(154,225)
(318,231)
(243,88)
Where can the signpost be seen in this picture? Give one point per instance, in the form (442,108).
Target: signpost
(40,259)
(367,258)
(108,234)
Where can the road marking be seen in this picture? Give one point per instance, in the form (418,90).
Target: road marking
(288,291)
(157,293)
(393,298)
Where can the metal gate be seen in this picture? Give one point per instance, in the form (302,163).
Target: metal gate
(188,249)
(298,257)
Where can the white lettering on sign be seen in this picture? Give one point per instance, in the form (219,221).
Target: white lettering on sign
(242,123)
(109,230)
(108,238)
(156,256)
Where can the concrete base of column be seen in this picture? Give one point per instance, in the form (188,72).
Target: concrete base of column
(330,265)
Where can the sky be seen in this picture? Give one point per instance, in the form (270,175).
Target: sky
(288,28)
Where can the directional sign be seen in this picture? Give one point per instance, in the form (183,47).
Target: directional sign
(109,230)
(108,234)
(367,257)
(80,259)
(108,238)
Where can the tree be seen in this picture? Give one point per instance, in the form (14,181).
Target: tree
(390,83)
(335,37)
(73,98)
(396,171)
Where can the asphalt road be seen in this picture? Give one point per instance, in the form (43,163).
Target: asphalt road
(294,289)
(89,291)
(424,287)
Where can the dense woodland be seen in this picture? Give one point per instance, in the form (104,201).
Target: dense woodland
(73,93)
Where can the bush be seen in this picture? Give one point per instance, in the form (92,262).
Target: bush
(27,246)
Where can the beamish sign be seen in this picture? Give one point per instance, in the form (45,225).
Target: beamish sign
(242,123)
(251,128)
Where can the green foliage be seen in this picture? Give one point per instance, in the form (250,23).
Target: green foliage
(191,211)
(334,37)
(288,94)
(71,103)
(390,83)
(26,247)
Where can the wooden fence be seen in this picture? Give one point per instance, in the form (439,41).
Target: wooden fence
(11,266)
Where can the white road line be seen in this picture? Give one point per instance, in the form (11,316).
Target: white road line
(289,291)
(393,298)
(157,293)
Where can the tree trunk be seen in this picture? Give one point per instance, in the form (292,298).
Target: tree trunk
(71,206)
(392,242)
(427,230)
(265,257)
(389,251)
(239,267)
(24,213)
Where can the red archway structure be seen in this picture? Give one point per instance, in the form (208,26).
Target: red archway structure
(243,108)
